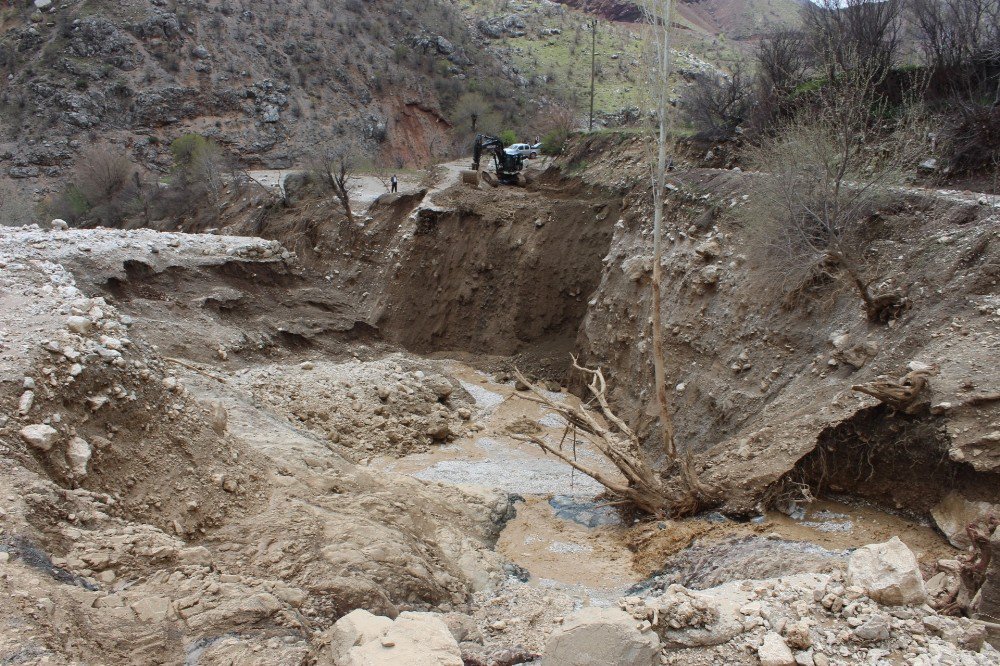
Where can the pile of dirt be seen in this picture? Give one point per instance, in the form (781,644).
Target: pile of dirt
(392,405)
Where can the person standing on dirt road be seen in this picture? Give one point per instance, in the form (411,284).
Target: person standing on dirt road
(395,183)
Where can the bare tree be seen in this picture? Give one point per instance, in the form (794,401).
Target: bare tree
(100,187)
(827,174)
(657,14)
(782,61)
(845,33)
(335,171)
(956,33)
(961,43)
(641,485)
(717,104)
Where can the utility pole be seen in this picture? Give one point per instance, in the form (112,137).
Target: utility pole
(593,67)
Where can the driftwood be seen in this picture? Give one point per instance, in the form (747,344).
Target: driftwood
(904,394)
(680,494)
(194,368)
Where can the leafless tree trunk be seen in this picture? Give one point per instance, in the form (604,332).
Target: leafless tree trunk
(341,178)
(336,172)
(658,15)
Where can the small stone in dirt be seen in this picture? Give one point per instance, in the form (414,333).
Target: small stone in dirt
(79,325)
(40,436)
(25,403)
(307,365)
(78,455)
(774,652)
(439,431)
(876,628)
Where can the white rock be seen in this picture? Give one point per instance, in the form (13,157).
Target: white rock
(888,573)
(25,403)
(774,652)
(40,436)
(414,639)
(79,325)
(601,636)
(78,456)
(356,628)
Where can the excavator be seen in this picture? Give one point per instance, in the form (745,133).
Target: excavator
(508,167)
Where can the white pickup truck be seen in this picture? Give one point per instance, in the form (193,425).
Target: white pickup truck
(524,150)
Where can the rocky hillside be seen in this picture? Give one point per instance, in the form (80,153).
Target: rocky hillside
(267,80)
(732,19)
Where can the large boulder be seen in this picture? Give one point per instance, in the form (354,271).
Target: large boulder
(356,628)
(414,639)
(601,637)
(888,573)
(954,513)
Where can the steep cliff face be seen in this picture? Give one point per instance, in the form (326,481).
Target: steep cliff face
(270,81)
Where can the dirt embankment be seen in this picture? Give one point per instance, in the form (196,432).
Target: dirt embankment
(564,264)
(498,270)
(760,382)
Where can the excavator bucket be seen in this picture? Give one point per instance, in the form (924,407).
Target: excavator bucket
(470,177)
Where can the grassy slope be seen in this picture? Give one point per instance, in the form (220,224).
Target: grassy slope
(564,59)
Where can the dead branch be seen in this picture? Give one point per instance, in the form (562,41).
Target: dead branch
(900,394)
(643,486)
(194,368)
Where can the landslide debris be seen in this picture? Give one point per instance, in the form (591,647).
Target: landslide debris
(145,522)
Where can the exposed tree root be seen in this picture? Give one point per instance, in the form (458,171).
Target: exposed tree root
(884,308)
(676,491)
(904,394)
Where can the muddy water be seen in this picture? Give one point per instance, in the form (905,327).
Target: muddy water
(562,534)
(568,539)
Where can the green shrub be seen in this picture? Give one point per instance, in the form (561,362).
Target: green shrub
(508,137)
(553,142)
